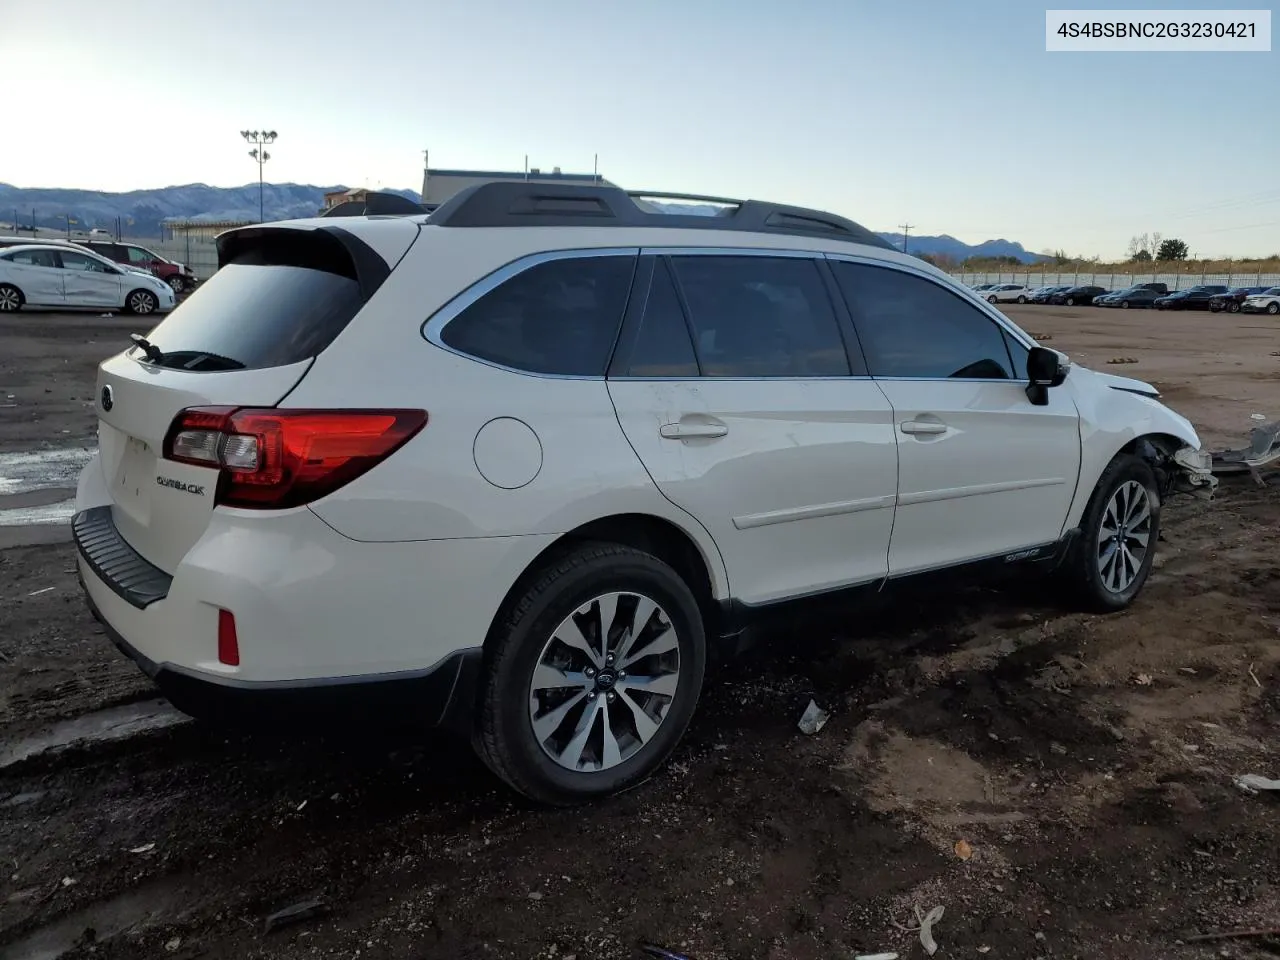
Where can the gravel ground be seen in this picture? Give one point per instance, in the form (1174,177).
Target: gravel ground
(1061,784)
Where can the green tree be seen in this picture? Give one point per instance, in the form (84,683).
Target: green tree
(1142,256)
(1172,249)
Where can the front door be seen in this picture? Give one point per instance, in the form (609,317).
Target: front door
(737,394)
(983,472)
(88,282)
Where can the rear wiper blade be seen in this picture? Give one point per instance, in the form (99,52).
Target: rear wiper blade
(154,354)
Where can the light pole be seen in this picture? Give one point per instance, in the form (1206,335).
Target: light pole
(259,138)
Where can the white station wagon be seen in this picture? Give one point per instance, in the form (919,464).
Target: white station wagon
(519,466)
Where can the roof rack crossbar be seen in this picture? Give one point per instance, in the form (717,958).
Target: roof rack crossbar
(534,204)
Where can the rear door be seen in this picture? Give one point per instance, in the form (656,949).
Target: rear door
(38,275)
(244,339)
(734,386)
(88,282)
(982,471)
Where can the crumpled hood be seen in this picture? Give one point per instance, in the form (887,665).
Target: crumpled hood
(1120,383)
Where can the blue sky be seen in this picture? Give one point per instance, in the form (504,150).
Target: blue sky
(946,115)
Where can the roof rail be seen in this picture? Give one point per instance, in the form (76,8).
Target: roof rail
(532,204)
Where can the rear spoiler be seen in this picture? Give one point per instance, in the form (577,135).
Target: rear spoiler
(328,248)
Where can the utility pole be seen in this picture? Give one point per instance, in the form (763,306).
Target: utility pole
(906,228)
(260,138)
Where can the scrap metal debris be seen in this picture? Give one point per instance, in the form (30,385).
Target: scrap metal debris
(303,910)
(813,719)
(924,924)
(1263,449)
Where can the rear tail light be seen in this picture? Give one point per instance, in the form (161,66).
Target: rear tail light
(271,459)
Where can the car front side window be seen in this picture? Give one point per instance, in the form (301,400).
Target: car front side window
(913,328)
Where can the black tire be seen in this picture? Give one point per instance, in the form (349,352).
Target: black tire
(1124,304)
(142,302)
(505,738)
(1022,299)
(1233,307)
(11,298)
(1080,570)
(1273,308)
(1070,301)
(176,283)
(992,299)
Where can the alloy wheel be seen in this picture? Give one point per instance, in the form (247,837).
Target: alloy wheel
(9,300)
(604,682)
(142,302)
(1124,536)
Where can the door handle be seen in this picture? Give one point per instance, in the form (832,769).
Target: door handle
(922,426)
(693,430)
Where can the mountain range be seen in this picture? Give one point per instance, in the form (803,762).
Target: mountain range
(142,213)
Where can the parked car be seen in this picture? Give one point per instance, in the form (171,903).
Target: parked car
(1077,296)
(1230,300)
(1266,302)
(45,275)
(1006,293)
(1195,298)
(1157,287)
(1044,294)
(177,275)
(613,439)
(983,286)
(1133,297)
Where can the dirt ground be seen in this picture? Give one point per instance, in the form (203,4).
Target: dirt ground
(1086,762)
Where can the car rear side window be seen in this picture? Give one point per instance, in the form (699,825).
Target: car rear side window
(761,316)
(559,317)
(914,328)
(280,300)
(34,258)
(663,347)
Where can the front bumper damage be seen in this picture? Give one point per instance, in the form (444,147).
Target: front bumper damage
(1192,472)
(1263,449)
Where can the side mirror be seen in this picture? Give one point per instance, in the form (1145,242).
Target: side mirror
(1045,368)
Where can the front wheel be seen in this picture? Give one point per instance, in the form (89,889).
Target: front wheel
(10,298)
(1233,307)
(1022,299)
(142,302)
(1273,308)
(1111,560)
(176,283)
(592,677)
(991,299)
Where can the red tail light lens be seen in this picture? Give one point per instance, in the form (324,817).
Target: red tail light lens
(228,642)
(271,459)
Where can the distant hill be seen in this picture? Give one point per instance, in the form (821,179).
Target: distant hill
(148,209)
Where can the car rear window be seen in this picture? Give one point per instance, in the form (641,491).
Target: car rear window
(273,305)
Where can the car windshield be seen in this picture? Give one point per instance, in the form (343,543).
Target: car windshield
(1273,292)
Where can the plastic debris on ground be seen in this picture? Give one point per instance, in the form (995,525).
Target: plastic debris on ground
(1252,783)
(813,719)
(924,924)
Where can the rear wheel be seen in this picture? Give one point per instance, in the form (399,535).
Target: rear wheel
(592,676)
(1111,560)
(176,283)
(1233,307)
(1124,304)
(142,302)
(11,298)
(1022,299)
(1071,301)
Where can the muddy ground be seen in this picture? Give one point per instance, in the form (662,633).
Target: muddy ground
(1087,762)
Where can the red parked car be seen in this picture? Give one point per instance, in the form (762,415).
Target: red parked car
(177,275)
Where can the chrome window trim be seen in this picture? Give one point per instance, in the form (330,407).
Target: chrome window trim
(434,325)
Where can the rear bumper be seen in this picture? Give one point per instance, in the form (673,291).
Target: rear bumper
(442,696)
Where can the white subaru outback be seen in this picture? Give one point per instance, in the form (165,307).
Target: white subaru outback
(520,465)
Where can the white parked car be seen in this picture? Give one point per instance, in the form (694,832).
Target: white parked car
(1006,293)
(520,466)
(63,277)
(1266,302)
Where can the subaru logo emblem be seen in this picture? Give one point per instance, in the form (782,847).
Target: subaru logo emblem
(108,399)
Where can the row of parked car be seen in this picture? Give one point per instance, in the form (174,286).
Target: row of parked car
(177,275)
(1206,296)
